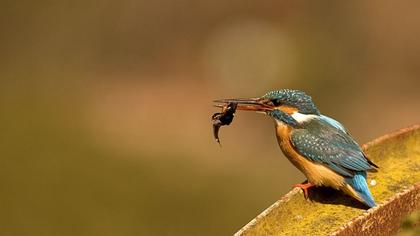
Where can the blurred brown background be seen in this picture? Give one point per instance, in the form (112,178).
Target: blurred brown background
(105,105)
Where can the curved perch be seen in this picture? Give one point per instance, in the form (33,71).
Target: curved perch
(396,187)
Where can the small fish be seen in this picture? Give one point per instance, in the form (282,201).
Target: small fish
(223,118)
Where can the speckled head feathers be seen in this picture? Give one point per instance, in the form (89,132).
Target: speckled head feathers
(293,98)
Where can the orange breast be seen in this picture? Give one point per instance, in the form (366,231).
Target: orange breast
(316,173)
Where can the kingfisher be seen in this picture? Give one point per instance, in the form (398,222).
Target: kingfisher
(319,146)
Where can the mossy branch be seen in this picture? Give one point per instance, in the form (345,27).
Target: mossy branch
(396,188)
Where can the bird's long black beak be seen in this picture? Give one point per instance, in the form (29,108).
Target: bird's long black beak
(246,104)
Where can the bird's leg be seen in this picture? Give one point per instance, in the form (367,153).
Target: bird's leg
(304,187)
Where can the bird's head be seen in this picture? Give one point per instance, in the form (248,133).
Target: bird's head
(286,105)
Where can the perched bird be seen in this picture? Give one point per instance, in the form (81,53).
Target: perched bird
(317,145)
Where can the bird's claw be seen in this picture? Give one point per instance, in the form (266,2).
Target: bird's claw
(304,188)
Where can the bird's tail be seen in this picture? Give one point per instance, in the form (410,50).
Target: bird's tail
(359,188)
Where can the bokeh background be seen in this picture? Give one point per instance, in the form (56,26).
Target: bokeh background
(105,105)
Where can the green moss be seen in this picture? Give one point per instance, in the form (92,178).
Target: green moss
(398,157)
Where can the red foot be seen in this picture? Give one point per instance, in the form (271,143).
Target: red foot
(304,187)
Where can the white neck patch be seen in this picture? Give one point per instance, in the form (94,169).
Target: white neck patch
(301,118)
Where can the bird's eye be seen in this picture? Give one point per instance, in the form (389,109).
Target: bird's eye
(276,102)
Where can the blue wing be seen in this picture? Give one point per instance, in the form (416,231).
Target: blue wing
(329,144)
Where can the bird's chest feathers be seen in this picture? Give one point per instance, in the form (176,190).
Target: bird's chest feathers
(317,174)
(283,138)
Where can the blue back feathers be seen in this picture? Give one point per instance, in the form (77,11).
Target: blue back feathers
(324,143)
(333,122)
